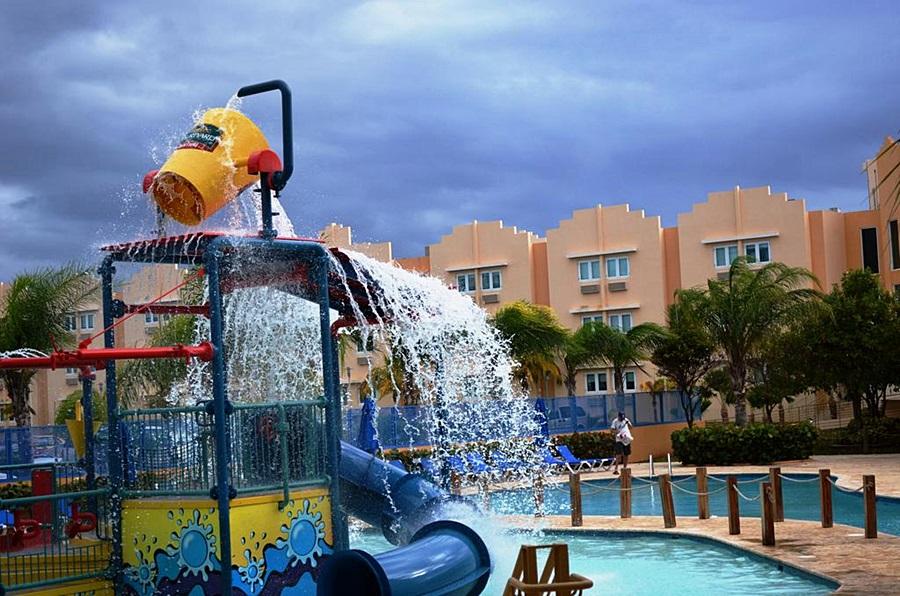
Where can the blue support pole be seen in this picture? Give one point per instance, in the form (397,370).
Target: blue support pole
(222,491)
(87,405)
(114,431)
(332,389)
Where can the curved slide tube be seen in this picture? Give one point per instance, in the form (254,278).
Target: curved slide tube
(442,557)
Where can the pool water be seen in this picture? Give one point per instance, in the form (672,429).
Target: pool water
(647,563)
(800,492)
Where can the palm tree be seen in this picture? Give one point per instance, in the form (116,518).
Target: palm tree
(574,357)
(536,337)
(34,316)
(618,349)
(743,309)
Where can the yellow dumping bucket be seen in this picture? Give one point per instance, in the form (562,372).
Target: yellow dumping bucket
(208,168)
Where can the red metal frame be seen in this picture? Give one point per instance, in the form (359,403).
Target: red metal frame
(97,357)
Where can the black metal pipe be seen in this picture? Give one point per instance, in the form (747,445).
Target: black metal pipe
(279,179)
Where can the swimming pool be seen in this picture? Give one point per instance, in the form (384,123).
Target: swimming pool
(801,499)
(650,563)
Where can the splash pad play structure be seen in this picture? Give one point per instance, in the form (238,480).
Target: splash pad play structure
(246,496)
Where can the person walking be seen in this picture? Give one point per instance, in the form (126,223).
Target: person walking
(621,426)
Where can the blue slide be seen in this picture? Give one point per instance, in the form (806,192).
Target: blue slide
(439,557)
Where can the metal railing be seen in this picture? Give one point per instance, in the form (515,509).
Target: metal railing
(405,426)
(55,537)
(274,446)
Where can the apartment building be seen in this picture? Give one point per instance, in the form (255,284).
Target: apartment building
(621,266)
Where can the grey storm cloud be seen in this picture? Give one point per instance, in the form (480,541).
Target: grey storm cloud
(411,117)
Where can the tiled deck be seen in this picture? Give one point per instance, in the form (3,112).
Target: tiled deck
(841,553)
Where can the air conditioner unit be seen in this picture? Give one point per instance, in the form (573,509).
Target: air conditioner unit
(590,289)
(490,298)
(617,286)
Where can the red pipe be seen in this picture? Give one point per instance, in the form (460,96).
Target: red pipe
(98,357)
(168,309)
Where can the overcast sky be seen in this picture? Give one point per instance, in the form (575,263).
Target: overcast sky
(411,117)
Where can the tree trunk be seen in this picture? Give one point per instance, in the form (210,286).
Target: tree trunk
(723,409)
(18,387)
(832,406)
(857,406)
(740,409)
(781,413)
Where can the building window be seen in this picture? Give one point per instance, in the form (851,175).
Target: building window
(589,270)
(595,382)
(591,319)
(897,290)
(758,252)
(490,280)
(895,244)
(87,320)
(725,255)
(150,318)
(71,372)
(630,379)
(71,323)
(870,249)
(368,347)
(617,267)
(465,282)
(620,321)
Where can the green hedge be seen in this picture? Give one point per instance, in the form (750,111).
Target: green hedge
(725,444)
(588,444)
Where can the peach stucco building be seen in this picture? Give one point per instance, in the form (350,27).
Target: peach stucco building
(621,266)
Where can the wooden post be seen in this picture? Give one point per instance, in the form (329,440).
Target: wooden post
(702,494)
(575,498)
(668,505)
(825,493)
(734,509)
(869,506)
(775,481)
(625,494)
(767,513)
(538,494)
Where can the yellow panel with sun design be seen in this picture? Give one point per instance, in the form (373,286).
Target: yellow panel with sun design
(173,547)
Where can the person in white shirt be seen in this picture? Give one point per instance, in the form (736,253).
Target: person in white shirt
(622,428)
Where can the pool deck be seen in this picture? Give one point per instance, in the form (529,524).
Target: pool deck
(840,553)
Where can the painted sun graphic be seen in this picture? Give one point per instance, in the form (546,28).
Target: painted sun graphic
(195,545)
(304,536)
(143,574)
(253,572)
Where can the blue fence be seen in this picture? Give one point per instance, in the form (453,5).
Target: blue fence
(406,426)
(35,444)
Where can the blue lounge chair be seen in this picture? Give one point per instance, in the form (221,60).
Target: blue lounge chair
(551,460)
(457,465)
(398,464)
(575,464)
(429,470)
(477,465)
(504,464)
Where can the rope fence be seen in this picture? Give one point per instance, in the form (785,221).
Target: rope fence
(770,497)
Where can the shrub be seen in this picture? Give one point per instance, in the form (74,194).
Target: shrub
(726,444)
(588,444)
